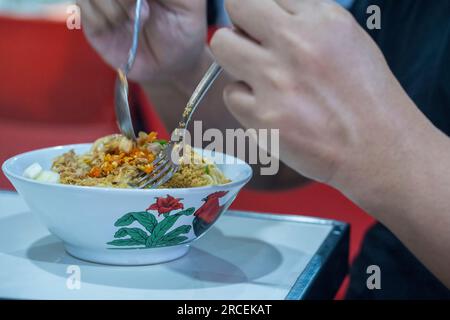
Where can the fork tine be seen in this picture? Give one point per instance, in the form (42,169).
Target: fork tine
(164,179)
(140,175)
(159,159)
(154,178)
(164,169)
(144,176)
(161,164)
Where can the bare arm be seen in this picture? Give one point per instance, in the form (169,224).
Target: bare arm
(344,118)
(410,195)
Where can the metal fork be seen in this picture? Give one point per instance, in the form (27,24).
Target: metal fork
(164,166)
(121,104)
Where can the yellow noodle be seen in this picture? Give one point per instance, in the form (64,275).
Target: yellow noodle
(115,161)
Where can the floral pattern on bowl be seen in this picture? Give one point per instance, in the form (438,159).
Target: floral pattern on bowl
(154,232)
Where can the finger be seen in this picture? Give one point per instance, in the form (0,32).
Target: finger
(257,18)
(237,54)
(290,6)
(303,7)
(239,99)
(241,102)
(112,10)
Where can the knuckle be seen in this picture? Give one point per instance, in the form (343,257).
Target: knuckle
(338,16)
(229,95)
(289,36)
(270,117)
(314,56)
(276,79)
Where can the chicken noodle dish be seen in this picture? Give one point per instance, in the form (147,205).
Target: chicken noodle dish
(115,161)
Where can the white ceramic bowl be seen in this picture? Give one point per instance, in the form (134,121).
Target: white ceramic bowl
(124,226)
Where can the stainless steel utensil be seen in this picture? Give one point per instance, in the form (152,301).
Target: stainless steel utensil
(164,166)
(121,104)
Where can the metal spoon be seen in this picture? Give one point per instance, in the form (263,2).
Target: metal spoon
(122,107)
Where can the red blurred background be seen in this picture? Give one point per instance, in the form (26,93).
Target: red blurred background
(56,90)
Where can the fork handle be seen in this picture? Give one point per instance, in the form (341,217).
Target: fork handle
(199,93)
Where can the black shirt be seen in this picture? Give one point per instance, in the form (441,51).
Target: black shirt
(415,39)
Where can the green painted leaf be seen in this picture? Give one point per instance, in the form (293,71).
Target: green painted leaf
(161,229)
(147,220)
(124,221)
(121,233)
(175,233)
(175,241)
(186,212)
(164,225)
(135,233)
(124,243)
(149,242)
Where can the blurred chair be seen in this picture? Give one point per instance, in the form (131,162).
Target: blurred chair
(53,90)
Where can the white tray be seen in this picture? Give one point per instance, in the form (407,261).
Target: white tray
(245,256)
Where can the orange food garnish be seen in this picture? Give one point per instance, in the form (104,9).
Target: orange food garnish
(138,155)
(95,172)
(148,169)
(151,137)
(107,167)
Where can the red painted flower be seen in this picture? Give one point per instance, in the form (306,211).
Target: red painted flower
(166,205)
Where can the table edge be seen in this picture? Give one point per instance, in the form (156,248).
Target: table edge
(319,268)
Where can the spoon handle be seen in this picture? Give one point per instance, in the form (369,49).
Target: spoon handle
(136,29)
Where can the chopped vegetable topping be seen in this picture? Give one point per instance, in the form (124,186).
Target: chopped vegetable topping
(162,142)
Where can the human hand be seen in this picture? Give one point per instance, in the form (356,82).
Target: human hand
(307,68)
(172,40)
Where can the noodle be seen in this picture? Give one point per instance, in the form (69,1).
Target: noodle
(115,161)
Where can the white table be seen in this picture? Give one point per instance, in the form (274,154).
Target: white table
(244,256)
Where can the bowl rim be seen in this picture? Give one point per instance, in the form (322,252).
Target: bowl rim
(235,183)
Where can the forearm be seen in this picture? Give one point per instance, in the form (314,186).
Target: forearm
(409,194)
